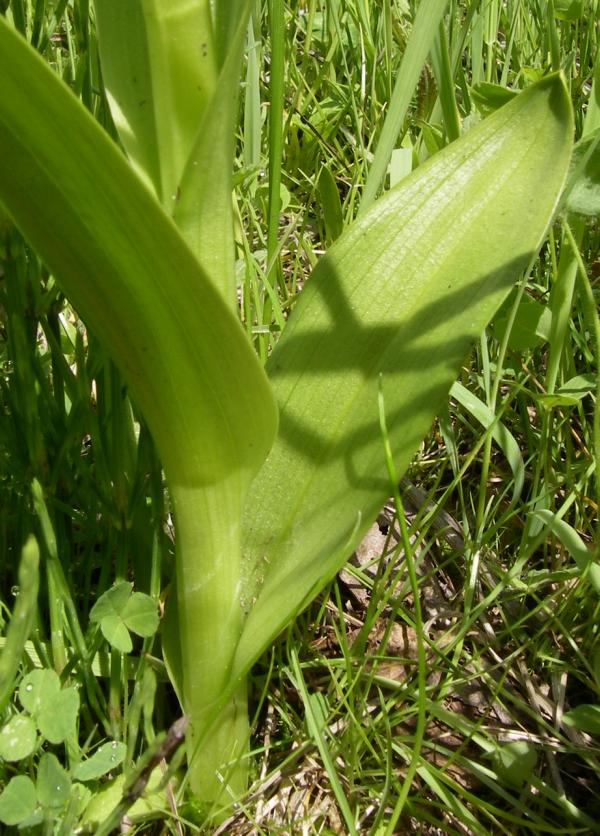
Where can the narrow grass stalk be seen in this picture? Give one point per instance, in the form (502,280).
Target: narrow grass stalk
(591,314)
(418,622)
(424,33)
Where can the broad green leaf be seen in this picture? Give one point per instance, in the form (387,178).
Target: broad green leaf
(105,800)
(17,738)
(401,295)
(584,195)
(57,715)
(109,611)
(500,433)
(203,210)
(515,761)
(174,106)
(106,758)
(116,633)
(585,718)
(126,269)
(112,602)
(36,687)
(53,784)
(592,115)
(489,97)
(568,9)
(179,346)
(140,615)
(159,68)
(118,611)
(17,801)
(530,327)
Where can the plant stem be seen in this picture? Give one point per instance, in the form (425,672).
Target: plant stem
(210,620)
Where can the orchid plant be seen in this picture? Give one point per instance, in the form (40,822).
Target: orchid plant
(275,472)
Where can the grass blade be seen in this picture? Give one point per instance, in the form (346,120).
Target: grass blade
(424,33)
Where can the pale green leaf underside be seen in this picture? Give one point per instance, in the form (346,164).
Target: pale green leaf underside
(159,67)
(128,271)
(402,294)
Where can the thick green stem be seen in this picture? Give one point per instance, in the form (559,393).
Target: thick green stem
(210,619)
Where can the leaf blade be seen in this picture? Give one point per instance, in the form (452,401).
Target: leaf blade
(471,243)
(143,292)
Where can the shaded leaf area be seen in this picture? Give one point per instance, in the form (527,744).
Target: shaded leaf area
(399,298)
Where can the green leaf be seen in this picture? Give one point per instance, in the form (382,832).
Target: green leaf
(116,633)
(57,715)
(568,9)
(402,294)
(514,762)
(584,194)
(531,325)
(204,211)
(17,801)
(181,349)
(118,612)
(330,205)
(37,687)
(80,797)
(179,346)
(570,393)
(500,433)
(174,106)
(22,620)
(586,718)
(106,758)
(140,615)
(112,602)
(489,97)
(53,783)
(17,738)
(159,66)
(105,800)
(585,559)
(422,38)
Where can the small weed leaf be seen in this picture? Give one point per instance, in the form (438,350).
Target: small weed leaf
(18,800)
(570,393)
(112,602)
(53,783)
(515,761)
(586,718)
(36,688)
(119,611)
(57,718)
(106,758)
(490,97)
(140,615)
(81,797)
(116,633)
(568,9)
(17,738)
(531,325)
